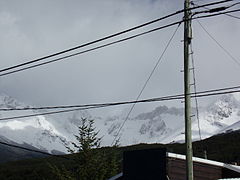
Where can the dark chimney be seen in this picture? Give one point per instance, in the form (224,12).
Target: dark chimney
(149,164)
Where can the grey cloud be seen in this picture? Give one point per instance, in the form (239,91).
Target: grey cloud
(31,29)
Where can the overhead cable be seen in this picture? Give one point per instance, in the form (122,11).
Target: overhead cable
(92,49)
(118,103)
(195,5)
(32,150)
(216,14)
(114,42)
(48,113)
(178,97)
(195,93)
(145,84)
(224,49)
(217,9)
(107,37)
(215,92)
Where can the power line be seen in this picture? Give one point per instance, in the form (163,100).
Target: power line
(177,97)
(92,42)
(97,105)
(111,43)
(180,96)
(198,0)
(195,92)
(213,10)
(32,150)
(92,49)
(234,4)
(145,84)
(225,50)
(213,92)
(216,14)
(79,106)
(236,17)
(48,113)
(107,37)
(71,49)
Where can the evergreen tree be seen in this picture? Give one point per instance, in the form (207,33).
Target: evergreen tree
(92,162)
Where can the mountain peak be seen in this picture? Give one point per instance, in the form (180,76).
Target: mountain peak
(10,102)
(162,124)
(223,107)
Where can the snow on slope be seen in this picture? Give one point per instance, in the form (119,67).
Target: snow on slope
(217,118)
(166,125)
(36,131)
(161,125)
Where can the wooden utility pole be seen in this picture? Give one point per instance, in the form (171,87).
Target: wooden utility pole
(188,124)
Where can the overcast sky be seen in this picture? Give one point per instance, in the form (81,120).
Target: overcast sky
(31,28)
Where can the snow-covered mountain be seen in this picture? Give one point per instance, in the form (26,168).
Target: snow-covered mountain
(218,117)
(38,131)
(161,125)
